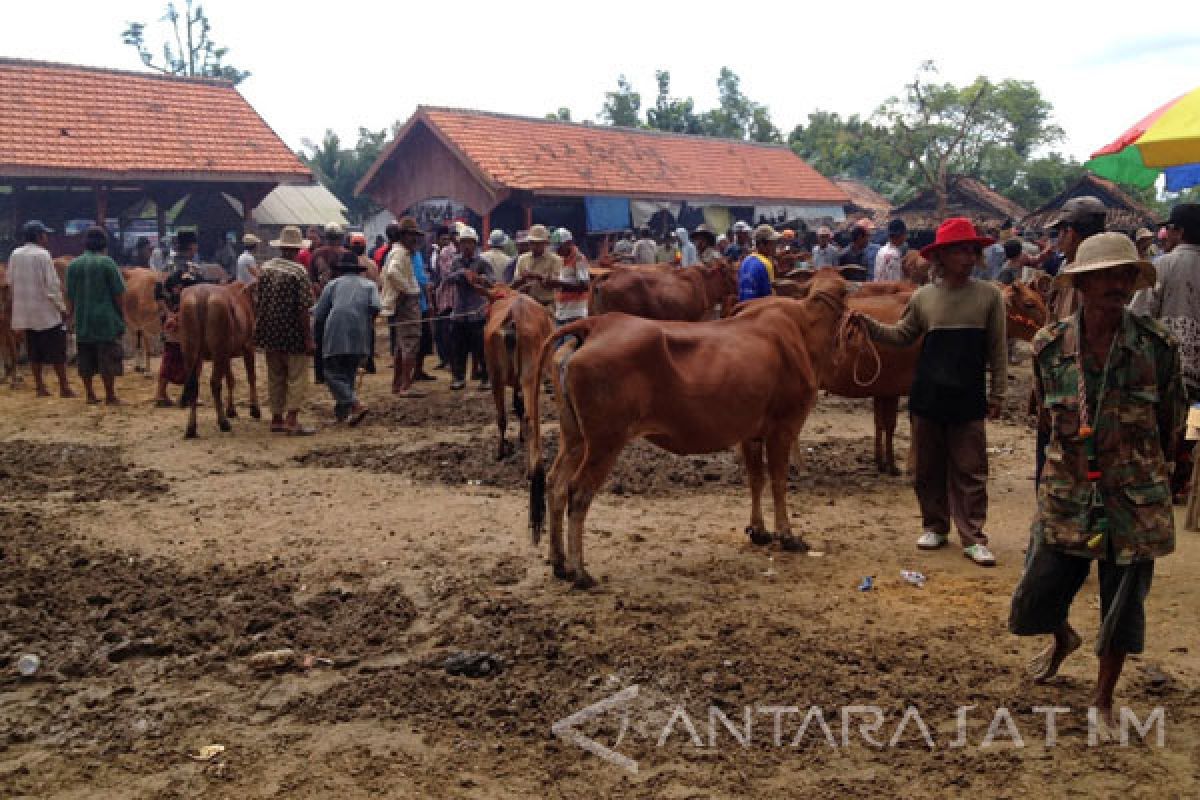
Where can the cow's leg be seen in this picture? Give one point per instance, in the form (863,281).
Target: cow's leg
(191,393)
(778,448)
(885,432)
(752,459)
(501,416)
(519,410)
(230,408)
(581,490)
(564,466)
(214,383)
(248,359)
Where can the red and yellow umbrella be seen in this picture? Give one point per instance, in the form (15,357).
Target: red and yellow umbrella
(1166,141)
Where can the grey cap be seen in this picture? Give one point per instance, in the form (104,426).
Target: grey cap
(1078,209)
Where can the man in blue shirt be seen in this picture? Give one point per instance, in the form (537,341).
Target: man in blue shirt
(758,269)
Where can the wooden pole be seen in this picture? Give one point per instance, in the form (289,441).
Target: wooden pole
(487,227)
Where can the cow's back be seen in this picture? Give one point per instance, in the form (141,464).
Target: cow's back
(650,294)
(138,302)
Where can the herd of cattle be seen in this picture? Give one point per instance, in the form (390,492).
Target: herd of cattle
(652,361)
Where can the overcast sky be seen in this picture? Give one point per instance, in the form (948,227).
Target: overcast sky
(354,63)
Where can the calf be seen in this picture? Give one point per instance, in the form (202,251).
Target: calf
(749,380)
(142,324)
(516,327)
(216,323)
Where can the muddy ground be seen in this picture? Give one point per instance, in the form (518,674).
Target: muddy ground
(157,580)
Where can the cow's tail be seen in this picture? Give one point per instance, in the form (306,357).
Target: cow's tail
(192,362)
(576,333)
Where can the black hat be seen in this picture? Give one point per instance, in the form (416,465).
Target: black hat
(348,262)
(1184,215)
(185,239)
(35,227)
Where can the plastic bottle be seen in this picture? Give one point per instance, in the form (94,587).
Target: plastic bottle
(28,665)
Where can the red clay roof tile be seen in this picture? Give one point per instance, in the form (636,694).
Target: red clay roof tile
(547,156)
(75,120)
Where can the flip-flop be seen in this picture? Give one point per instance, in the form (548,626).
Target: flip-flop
(359,417)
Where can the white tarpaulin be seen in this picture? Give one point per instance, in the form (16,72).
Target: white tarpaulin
(775,215)
(640,211)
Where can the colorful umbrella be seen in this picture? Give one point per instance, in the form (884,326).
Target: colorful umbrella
(1166,141)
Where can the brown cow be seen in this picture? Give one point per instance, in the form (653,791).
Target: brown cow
(685,294)
(9,338)
(1026,314)
(512,338)
(142,324)
(748,380)
(216,323)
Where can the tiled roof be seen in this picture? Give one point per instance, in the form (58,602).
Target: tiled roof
(560,158)
(62,120)
(864,196)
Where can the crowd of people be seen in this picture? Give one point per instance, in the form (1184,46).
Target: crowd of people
(1114,371)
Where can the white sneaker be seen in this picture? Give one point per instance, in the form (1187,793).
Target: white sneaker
(931,541)
(980,554)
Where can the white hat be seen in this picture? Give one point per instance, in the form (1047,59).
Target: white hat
(561,236)
(741,227)
(467,232)
(497,238)
(335,229)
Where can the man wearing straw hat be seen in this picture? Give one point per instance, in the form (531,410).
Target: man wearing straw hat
(402,302)
(963,323)
(282,330)
(537,267)
(1108,391)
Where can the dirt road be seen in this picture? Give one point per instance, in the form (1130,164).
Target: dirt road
(147,573)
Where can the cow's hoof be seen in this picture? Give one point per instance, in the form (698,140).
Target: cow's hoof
(758,535)
(190,434)
(560,572)
(224,426)
(583,581)
(231,412)
(255,412)
(793,544)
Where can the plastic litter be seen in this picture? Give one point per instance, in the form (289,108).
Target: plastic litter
(868,583)
(208,752)
(915,578)
(28,665)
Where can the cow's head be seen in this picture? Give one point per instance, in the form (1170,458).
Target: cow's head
(1025,310)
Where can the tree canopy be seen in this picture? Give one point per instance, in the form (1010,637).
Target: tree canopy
(193,54)
(340,169)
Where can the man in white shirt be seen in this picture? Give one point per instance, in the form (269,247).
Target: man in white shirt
(889,262)
(247,265)
(825,253)
(39,308)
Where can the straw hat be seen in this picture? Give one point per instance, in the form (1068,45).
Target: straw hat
(1105,251)
(765,233)
(250,240)
(290,238)
(467,232)
(538,233)
(1143,233)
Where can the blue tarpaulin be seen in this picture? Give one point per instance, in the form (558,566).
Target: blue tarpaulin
(1182,177)
(606,214)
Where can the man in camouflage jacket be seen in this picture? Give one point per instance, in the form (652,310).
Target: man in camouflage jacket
(1110,395)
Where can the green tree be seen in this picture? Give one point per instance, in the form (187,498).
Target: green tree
(737,116)
(852,148)
(622,107)
(562,115)
(340,169)
(1040,179)
(193,54)
(669,113)
(985,130)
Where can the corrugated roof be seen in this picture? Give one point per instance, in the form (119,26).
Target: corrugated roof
(300,205)
(60,119)
(557,158)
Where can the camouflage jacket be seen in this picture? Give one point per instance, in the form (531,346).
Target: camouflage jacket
(1138,423)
